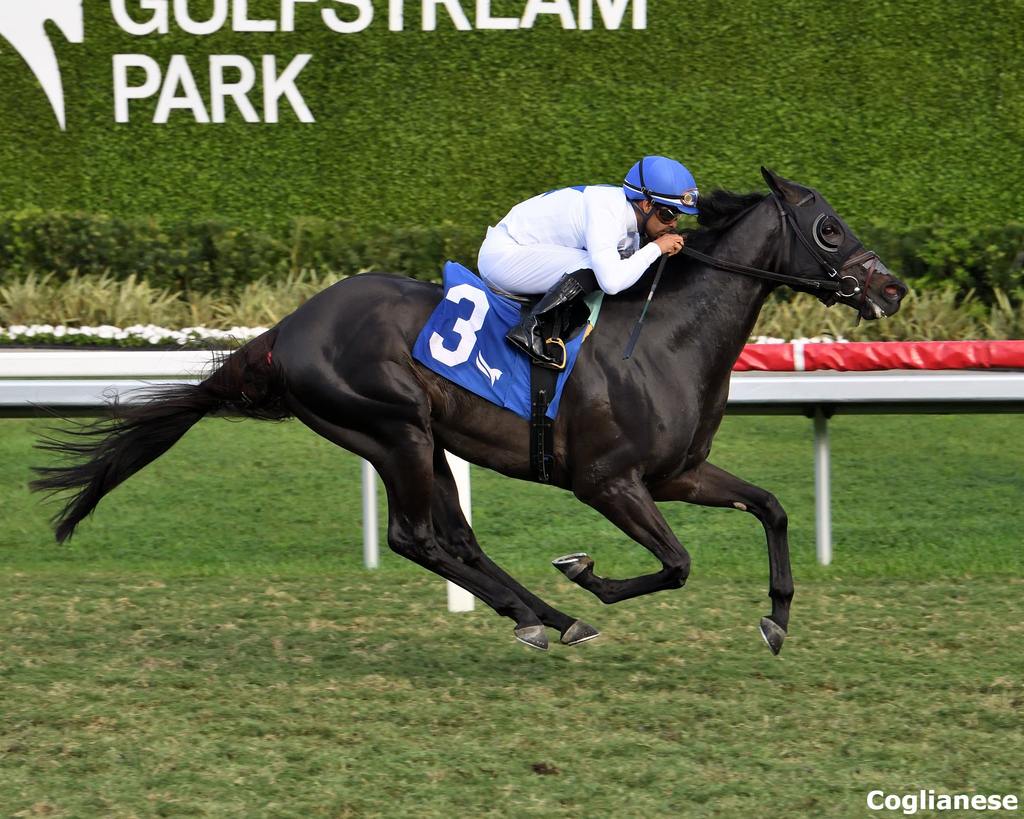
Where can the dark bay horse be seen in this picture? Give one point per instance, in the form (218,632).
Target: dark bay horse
(629,432)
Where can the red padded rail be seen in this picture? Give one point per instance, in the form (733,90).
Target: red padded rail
(883,355)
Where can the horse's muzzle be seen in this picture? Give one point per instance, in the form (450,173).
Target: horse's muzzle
(881,293)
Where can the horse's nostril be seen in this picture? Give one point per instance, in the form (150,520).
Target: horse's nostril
(894,291)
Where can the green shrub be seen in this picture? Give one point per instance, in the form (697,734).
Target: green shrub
(981,260)
(209,256)
(212,256)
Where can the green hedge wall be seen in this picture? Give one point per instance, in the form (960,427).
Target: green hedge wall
(220,255)
(903,113)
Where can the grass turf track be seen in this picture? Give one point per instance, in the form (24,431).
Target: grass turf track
(210,646)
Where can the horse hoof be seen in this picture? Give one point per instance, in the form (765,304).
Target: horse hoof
(579,632)
(572,566)
(773,634)
(533,636)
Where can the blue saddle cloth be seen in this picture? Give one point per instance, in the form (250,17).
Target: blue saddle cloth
(464,341)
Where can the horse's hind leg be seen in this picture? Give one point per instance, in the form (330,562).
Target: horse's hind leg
(408,480)
(456,536)
(402,453)
(707,485)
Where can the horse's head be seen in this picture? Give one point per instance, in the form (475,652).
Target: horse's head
(822,247)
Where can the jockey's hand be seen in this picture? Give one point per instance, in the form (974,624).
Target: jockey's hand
(670,243)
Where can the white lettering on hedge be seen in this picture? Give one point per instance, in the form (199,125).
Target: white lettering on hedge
(484,19)
(156,16)
(275,86)
(201,28)
(240,19)
(179,91)
(157,24)
(559,7)
(396,15)
(179,74)
(238,91)
(454,9)
(288,13)
(335,23)
(613,12)
(123,92)
(177,87)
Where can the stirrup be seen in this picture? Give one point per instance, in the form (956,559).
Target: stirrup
(553,364)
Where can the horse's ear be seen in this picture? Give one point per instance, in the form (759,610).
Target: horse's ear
(792,192)
(771,178)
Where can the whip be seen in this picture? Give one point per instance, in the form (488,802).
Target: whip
(635,335)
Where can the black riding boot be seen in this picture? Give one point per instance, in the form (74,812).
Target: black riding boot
(527,336)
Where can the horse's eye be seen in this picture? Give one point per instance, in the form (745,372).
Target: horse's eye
(828,233)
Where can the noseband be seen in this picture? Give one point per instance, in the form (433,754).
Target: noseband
(865,260)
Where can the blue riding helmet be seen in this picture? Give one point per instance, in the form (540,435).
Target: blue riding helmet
(662,180)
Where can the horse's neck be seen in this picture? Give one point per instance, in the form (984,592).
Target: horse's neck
(724,305)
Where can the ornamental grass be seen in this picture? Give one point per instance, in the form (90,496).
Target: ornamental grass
(925,315)
(98,300)
(101,300)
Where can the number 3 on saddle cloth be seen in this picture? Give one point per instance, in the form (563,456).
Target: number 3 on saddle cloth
(464,341)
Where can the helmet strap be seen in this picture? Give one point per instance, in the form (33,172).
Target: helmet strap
(646,216)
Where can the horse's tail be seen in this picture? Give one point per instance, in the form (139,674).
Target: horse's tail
(101,455)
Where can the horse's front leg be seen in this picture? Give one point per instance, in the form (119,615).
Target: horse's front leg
(707,485)
(627,503)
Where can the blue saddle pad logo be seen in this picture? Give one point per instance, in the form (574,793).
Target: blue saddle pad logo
(464,341)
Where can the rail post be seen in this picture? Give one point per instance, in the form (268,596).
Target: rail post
(371,550)
(458,598)
(822,489)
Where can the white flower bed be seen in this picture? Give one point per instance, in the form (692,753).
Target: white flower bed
(144,335)
(801,340)
(138,335)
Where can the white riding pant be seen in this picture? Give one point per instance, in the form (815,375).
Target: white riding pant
(523,269)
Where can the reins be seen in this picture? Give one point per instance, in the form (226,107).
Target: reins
(758,273)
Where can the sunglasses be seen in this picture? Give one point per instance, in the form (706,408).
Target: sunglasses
(667,215)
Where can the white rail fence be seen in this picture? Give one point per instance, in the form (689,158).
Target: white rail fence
(83,381)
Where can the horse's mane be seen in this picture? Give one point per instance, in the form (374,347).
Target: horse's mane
(717,212)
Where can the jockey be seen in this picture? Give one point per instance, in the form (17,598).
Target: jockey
(545,243)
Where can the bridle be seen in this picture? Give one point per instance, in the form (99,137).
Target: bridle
(829,290)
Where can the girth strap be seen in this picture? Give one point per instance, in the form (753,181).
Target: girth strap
(542,439)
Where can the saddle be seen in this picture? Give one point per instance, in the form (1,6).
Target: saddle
(464,340)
